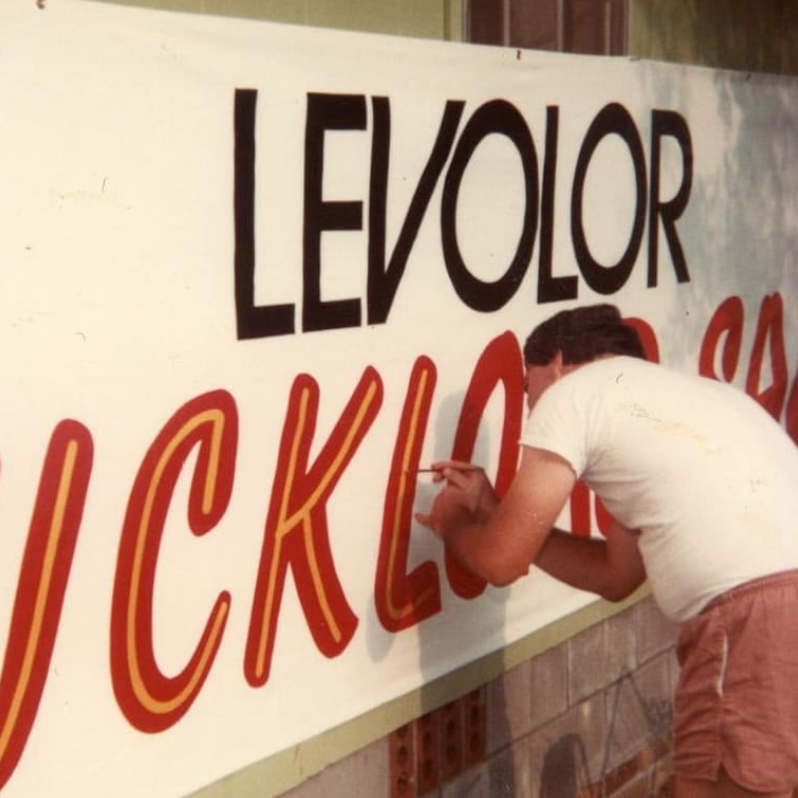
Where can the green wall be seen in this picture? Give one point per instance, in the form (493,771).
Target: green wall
(428,19)
(749,35)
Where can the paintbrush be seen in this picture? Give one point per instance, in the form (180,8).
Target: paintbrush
(438,470)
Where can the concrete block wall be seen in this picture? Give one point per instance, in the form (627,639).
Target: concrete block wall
(590,717)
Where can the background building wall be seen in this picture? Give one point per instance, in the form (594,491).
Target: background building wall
(590,716)
(573,26)
(429,19)
(729,34)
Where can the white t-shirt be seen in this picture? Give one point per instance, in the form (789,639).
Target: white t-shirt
(706,475)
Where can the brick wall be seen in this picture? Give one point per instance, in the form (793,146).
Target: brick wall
(589,718)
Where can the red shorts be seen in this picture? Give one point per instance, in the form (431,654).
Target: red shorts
(737,700)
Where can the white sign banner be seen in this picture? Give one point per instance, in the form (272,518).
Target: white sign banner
(253,276)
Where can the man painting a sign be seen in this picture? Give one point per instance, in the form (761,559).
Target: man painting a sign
(233,255)
(701,482)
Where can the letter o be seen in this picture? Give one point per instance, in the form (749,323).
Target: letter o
(496,116)
(613,118)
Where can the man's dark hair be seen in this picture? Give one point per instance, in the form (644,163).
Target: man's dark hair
(581,335)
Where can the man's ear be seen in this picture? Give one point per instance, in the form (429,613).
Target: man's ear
(557,364)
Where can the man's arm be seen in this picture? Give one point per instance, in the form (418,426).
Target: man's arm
(611,568)
(500,545)
(499,540)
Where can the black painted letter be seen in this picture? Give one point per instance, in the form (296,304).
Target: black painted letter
(327,112)
(668,123)
(497,116)
(251,321)
(550,288)
(613,118)
(382,281)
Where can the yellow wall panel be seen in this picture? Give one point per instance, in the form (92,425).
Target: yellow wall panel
(431,19)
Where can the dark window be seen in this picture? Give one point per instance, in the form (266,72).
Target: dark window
(595,27)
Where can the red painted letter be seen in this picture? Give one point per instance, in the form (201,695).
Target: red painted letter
(42,581)
(296,527)
(501,362)
(151,701)
(770,327)
(404,599)
(728,319)
(648,338)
